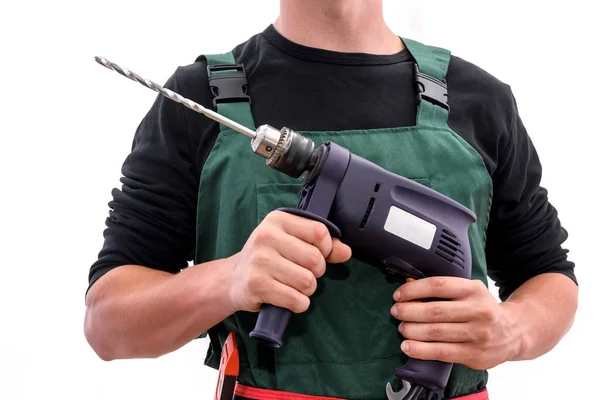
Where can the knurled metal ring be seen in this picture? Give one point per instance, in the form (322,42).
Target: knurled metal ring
(279,149)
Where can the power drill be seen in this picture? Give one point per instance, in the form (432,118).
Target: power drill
(414,231)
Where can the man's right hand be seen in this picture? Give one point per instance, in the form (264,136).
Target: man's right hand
(281,261)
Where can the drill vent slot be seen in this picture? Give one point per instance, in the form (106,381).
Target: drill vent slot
(367,213)
(448,248)
(448,245)
(447,251)
(376,188)
(449,239)
(444,255)
(450,252)
(447,232)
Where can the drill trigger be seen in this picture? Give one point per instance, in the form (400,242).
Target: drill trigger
(400,270)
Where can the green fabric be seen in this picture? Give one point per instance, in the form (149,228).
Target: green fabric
(432,61)
(220,59)
(429,114)
(346,344)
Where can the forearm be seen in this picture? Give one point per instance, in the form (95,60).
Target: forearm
(543,310)
(137,312)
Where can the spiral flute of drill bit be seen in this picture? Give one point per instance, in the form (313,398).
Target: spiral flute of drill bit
(176,97)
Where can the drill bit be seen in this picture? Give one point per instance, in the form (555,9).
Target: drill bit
(284,149)
(177,97)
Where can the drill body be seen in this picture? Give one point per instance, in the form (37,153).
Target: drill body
(399,225)
(410,229)
(406,229)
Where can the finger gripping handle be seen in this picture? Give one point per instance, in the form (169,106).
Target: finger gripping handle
(430,374)
(273,320)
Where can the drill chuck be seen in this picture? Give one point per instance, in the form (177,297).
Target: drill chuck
(285,150)
(266,141)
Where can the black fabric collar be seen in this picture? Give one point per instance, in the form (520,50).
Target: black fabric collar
(327,56)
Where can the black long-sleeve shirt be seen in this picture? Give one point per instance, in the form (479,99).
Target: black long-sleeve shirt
(151,220)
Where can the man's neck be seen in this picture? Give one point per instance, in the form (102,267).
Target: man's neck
(348,26)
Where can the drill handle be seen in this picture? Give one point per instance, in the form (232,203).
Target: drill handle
(272,320)
(318,193)
(429,374)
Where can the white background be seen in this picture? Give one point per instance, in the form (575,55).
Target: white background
(67,124)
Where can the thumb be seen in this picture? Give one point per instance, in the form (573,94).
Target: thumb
(340,252)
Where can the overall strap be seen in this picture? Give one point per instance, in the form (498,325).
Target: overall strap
(430,77)
(229,86)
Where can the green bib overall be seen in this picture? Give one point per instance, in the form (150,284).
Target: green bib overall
(346,344)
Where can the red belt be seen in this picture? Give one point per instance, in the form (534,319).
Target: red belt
(253,393)
(266,394)
(229,370)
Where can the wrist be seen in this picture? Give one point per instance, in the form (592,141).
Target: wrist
(229,284)
(211,286)
(516,326)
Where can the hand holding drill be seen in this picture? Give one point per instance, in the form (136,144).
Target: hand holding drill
(281,261)
(472,328)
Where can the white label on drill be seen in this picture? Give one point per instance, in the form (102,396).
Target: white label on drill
(410,227)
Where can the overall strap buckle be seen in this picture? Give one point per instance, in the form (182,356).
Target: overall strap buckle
(228,83)
(431,89)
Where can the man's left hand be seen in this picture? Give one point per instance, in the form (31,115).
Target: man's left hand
(469,328)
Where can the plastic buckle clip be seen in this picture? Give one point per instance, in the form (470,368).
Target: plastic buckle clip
(431,89)
(228,83)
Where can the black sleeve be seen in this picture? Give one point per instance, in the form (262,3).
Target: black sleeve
(151,219)
(524,236)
